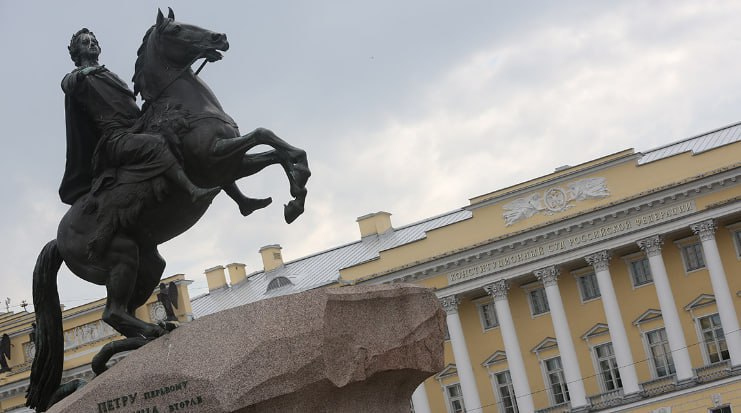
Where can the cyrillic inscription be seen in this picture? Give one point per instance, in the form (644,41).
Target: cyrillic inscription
(569,242)
(127,401)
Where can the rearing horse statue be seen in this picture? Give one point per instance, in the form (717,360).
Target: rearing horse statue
(110,237)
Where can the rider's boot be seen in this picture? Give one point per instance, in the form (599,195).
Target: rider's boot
(246,204)
(249,205)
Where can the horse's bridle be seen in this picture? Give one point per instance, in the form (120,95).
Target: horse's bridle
(183,70)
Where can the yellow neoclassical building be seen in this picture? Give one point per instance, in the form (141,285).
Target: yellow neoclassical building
(614,285)
(85,333)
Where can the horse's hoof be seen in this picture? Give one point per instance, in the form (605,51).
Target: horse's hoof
(292,211)
(169,325)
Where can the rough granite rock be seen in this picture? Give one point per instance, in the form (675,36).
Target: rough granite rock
(343,350)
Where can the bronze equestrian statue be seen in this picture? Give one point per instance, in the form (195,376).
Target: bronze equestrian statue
(137,178)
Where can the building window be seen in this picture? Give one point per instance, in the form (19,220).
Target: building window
(455,398)
(278,282)
(608,368)
(488,316)
(588,287)
(538,301)
(506,392)
(661,356)
(556,380)
(692,256)
(640,272)
(737,241)
(714,339)
(722,409)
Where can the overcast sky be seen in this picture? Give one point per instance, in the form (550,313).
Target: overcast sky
(410,107)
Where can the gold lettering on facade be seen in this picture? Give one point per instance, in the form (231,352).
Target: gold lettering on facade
(570,242)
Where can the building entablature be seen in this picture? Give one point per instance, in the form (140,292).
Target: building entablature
(664,210)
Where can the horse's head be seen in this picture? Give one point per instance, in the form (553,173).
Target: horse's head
(173,45)
(180,44)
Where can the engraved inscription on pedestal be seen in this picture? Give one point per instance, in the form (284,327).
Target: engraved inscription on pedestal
(150,401)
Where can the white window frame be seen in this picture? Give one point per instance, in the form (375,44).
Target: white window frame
(650,357)
(448,401)
(598,368)
(547,381)
(683,244)
(497,393)
(531,287)
(701,340)
(629,260)
(480,307)
(584,273)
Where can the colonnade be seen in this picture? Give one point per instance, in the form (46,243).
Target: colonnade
(572,372)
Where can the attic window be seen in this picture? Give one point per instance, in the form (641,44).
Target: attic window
(278,282)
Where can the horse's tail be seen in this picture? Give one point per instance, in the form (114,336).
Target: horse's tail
(46,371)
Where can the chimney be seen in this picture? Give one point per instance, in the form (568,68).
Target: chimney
(271,257)
(374,224)
(216,278)
(237,272)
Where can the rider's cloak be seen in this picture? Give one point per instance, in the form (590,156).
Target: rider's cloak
(82,133)
(100,111)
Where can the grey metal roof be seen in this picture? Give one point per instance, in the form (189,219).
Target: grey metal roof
(319,269)
(696,144)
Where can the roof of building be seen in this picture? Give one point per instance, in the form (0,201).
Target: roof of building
(320,269)
(697,144)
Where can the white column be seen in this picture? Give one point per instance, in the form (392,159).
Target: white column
(624,357)
(571,371)
(499,291)
(723,298)
(420,401)
(672,325)
(460,352)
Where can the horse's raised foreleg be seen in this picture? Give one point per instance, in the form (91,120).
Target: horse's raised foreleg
(250,165)
(296,166)
(292,159)
(123,253)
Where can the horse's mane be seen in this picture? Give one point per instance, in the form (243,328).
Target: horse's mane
(141,56)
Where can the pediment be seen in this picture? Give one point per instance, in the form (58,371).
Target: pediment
(547,344)
(596,331)
(648,315)
(449,370)
(701,301)
(499,356)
